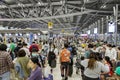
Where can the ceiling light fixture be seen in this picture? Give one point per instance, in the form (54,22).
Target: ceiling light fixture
(103,6)
(39,3)
(20,4)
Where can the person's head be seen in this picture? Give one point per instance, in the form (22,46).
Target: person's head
(33,42)
(19,45)
(21,53)
(119,48)
(99,56)
(117,71)
(90,46)
(66,45)
(107,58)
(33,62)
(12,41)
(24,44)
(3,47)
(113,46)
(110,46)
(34,50)
(82,57)
(92,60)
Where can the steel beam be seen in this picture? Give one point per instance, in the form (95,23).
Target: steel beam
(49,17)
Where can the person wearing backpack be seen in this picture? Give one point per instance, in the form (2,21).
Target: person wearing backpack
(65,61)
(52,58)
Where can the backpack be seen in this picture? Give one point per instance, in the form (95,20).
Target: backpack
(51,55)
(65,55)
(74,50)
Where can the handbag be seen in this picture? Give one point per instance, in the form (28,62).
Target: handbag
(53,63)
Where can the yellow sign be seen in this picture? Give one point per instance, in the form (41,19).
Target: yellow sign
(50,25)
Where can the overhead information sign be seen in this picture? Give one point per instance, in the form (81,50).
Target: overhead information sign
(50,25)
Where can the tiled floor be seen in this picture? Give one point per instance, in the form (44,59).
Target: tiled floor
(57,75)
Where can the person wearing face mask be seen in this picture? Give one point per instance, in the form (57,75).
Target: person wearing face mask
(36,71)
(34,53)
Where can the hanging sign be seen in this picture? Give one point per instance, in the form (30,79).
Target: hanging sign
(50,25)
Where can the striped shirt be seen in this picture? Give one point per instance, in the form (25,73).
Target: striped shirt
(5,62)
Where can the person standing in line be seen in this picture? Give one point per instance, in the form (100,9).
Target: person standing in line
(65,61)
(33,46)
(17,48)
(52,57)
(11,50)
(36,71)
(20,65)
(70,48)
(5,63)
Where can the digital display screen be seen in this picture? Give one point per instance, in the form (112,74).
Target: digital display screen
(95,30)
(88,32)
(111,27)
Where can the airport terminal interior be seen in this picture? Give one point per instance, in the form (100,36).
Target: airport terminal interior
(59,39)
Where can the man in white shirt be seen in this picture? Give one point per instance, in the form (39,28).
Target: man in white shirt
(111,52)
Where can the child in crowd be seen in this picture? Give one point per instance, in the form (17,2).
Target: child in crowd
(110,73)
(79,66)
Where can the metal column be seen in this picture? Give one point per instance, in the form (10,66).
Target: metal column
(115,19)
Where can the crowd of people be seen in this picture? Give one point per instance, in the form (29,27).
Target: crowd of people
(93,59)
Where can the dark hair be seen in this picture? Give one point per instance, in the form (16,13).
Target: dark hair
(108,60)
(21,53)
(92,60)
(35,61)
(34,50)
(118,48)
(66,45)
(3,47)
(33,42)
(19,44)
(109,45)
(90,46)
(99,56)
(24,44)
(113,46)
(82,58)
